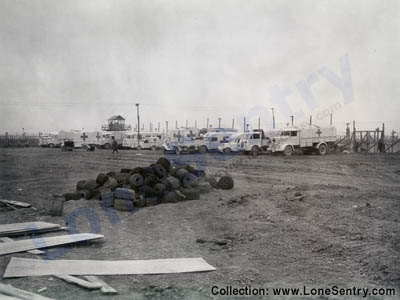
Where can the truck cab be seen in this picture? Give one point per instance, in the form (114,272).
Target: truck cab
(211,141)
(235,144)
(256,142)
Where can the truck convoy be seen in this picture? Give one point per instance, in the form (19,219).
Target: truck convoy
(312,139)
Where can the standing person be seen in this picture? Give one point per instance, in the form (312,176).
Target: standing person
(114,145)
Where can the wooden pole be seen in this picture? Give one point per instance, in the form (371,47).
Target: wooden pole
(259,123)
(219,122)
(310,120)
(331,120)
(195,123)
(244,124)
(233,123)
(166,127)
(207,122)
(176,124)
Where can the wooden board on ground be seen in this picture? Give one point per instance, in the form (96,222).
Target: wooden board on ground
(36,251)
(83,283)
(16,203)
(37,243)
(105,288)
(9,290)
(21,267)
(27,228)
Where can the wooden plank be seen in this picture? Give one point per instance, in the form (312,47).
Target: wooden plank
(37,243)
(105,288)
(36,252)
(16,203)
(11,291)
(5,297)
(21,267)
(26,228)
(83,283)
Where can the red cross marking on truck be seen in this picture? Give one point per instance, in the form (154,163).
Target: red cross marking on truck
(84,136)
(98,136)
(319,132)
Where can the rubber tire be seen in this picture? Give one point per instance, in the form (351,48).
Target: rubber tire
(323,149)
(226,183)
(203,149)
(191,193)
(164,162)
(254,151)
(288,151)
(227,151)
(136,180)
(107,146)
(101,179)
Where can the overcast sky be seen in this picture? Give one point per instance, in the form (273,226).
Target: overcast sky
(71,64)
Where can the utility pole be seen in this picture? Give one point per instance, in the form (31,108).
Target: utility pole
(166,127)
(310,120)
(331,120)
(219,122)
(244,124)
(176,124)
(273,118)
(259,123)
(158,128)
(207,122)
(233,123)
(195,123)
(186,123)
(292,117)
(138,121)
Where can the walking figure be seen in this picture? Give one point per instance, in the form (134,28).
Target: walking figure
(114,145)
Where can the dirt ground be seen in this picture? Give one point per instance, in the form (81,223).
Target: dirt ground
(343,229)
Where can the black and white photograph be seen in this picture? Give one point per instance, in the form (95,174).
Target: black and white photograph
(199,149)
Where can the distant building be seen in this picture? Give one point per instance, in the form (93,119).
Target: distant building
(116,123)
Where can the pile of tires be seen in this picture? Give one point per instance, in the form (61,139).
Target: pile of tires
(160,182)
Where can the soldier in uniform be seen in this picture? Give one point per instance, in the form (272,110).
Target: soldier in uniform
(114,145)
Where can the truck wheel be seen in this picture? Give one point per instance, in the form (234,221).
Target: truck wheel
(177,151)
(322,149)
(203,149)
(254,151)
(227,150)
(288,150)
(139,148)
(107,146)
(51,145)
(153,148)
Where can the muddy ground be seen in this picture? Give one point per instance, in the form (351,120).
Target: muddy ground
(343,229)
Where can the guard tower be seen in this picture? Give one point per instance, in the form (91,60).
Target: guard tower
(116,123)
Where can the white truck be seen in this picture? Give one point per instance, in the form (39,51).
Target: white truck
(50,140)
(183,140)
(105,139)
(235,144)
(309,139)
(212,140)
(148,140)
(256,142)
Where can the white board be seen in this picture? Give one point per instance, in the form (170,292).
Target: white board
(44,242)
(21,267)
(26,227)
